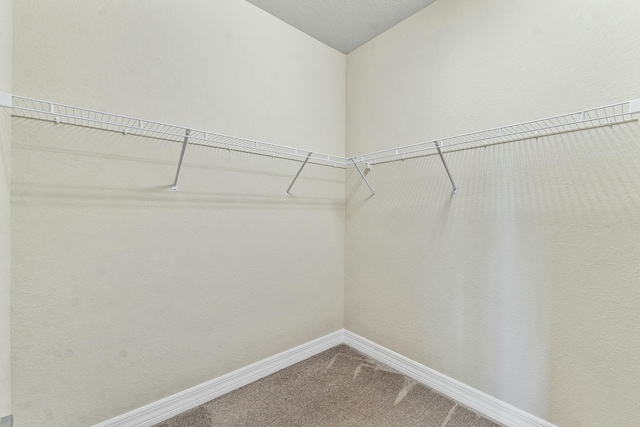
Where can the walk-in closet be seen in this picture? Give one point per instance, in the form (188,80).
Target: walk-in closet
(319,213)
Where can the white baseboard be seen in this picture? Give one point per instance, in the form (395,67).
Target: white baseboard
(180,402)
(173,405)
(6,421)
(469,396)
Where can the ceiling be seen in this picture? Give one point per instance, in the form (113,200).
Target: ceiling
(342,24)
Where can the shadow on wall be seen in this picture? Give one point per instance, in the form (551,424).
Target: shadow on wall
(414,185)
(496,285)
(73,166)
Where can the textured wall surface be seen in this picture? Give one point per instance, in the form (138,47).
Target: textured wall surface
(525,284)
(6,45)
(126,292)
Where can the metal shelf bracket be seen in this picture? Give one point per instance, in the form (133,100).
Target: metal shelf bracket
(184,148)
(363,177)
(455,190)
(298,174)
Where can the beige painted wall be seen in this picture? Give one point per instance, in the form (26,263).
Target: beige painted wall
(125,292)
(525,284)
(6,45)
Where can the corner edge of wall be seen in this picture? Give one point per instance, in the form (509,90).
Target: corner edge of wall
(475,399)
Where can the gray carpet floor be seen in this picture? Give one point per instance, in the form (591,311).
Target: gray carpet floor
(339,387)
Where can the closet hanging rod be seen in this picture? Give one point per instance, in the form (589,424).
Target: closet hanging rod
(66,114)
(608,115)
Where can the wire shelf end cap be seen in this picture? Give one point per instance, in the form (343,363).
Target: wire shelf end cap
(5,99)
(634,106)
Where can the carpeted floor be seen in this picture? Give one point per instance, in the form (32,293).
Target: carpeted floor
(339,387)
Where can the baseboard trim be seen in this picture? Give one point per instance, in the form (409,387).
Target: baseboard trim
(6,421)
(469,396)
(173,405)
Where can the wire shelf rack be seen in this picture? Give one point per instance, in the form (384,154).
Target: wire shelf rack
(608,115)
(586,119)
(67,114)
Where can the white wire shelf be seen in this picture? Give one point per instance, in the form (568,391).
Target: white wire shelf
(67,114)
(586,119)
(608,115)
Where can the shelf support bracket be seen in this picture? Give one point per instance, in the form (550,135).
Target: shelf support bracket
(363,177)
(298,174)
(455,190)
(184,148)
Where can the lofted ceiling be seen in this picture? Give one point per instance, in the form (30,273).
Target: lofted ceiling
(342,24)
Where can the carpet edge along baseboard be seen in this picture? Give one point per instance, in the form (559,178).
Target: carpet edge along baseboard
(475,399)
(171,406)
